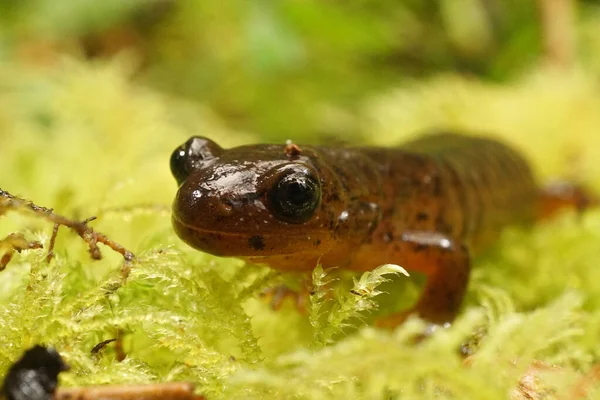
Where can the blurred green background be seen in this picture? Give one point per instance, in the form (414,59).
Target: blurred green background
(302,68)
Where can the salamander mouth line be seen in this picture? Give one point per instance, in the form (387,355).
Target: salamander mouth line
(231,235)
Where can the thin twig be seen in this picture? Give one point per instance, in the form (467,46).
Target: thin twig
(50,254)
(15,243)
(91,237)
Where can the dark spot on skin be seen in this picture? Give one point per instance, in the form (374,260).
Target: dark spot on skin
(257,242)
(422,216)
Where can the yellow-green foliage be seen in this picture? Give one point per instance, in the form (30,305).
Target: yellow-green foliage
(83,139)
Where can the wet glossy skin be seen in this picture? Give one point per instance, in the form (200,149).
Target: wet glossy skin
(426,206)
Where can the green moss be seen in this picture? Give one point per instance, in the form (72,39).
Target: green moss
(85,140)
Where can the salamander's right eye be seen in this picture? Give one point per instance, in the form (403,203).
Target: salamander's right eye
(295,196)
(191,156)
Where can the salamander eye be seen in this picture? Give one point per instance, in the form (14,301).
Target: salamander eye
(294,197)
(192,155)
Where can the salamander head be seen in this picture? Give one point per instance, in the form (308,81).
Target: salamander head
(252,201)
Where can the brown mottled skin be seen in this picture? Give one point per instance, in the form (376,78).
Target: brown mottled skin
(426,206)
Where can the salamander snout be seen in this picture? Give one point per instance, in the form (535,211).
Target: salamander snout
(248,201)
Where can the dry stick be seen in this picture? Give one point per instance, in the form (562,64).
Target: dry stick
(91,237)
(15,243)
(50,254)
(159,391)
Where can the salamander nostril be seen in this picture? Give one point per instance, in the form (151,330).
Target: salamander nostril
(225,207)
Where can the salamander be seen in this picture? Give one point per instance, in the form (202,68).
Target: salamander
(428,205)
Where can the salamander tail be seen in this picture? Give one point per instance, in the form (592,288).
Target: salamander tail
(561,195)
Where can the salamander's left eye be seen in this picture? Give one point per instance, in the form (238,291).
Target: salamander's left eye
(192,155)
(294,197)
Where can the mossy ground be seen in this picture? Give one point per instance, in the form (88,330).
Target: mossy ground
(83,139)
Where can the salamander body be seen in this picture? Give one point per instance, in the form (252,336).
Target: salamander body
(427,205)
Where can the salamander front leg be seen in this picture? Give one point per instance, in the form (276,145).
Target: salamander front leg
(447,267)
